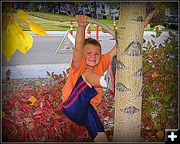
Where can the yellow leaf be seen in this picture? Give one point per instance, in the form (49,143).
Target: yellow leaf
(42,139)
(14,39)
(150,56)
(2,114)
(9,45)
(13,29)
(19,28)
(160,134)
(36,29)
(27,41)
(22,14)
(154,74)
(56,116)
(160,108)
(32,99)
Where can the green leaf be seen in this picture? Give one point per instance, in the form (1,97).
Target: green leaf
(146,96)
(158,127)
(38,90)
(165,105)
(153,42)
(148,115)
(144,40)
(166,98)
(171,34)
(157,30)
(153,36)
(160,47)
(158,34)
(156,118)
(149,44)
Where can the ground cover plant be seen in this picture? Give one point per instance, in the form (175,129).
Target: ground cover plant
(31,109)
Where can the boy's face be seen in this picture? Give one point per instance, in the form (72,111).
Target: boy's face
(92,54)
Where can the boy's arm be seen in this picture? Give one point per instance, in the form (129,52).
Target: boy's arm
(79,40)
(94,79)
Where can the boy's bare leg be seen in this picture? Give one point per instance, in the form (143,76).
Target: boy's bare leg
(101,137)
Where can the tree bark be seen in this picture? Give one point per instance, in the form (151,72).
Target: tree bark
(128,83)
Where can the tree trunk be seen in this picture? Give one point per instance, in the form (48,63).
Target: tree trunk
(128,83)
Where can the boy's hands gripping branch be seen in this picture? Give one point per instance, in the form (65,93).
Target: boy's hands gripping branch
(82,20)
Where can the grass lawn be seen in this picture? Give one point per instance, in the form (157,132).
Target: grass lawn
(49,25)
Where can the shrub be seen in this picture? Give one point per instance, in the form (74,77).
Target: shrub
(160,87)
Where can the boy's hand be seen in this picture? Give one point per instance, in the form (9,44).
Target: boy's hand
(82,20)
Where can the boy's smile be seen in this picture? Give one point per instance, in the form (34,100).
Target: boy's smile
(92,54)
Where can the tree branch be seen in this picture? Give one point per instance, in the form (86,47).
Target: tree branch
(150,16)
(104,27)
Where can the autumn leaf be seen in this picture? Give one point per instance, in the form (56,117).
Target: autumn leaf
(42,121)
(30,126)
(2,114)
(8,72)
(16,24)
(48,73)
(47,103)
(159,109)
(11,41)
(160,134)
(8,48)
(150,56)
(37,112)
(42,139)
(56,116)
(14,38)
(32,99)
(22,14)
(37,29)
(154,74)
(27,42)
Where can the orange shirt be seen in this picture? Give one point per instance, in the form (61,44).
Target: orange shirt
(75,73)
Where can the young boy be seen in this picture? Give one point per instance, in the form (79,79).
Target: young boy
(82,92)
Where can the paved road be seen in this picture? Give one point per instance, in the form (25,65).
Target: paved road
(42,56)
(43,50)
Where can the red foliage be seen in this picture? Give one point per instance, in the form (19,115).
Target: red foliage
(42,121)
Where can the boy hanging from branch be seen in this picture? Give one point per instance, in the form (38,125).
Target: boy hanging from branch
(82,92)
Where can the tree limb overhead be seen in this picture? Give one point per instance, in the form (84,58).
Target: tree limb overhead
(150,16)
(104,27)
